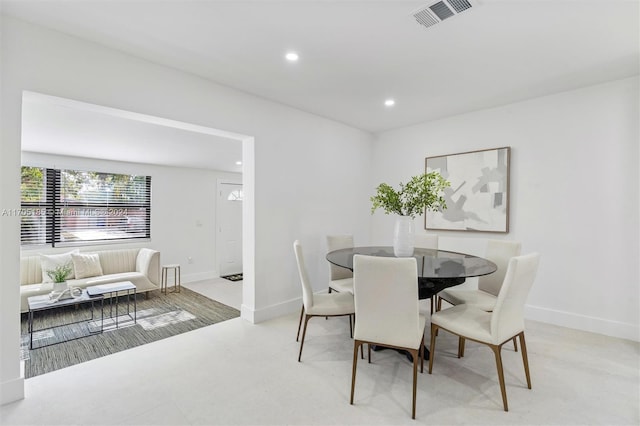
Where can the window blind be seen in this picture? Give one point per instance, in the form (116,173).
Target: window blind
(79,207)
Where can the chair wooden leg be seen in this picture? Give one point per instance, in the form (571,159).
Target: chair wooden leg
(525,359)
(300,323)
(432,346)
(461,342)
(515,344)
(414,353)
(356,344)
(369,348)
(432,302)
(350,327)
(503,390)
(304,332)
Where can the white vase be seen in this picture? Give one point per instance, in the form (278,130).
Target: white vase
(60,287)
(403,237)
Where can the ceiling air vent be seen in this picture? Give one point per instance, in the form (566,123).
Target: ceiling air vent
(438,11)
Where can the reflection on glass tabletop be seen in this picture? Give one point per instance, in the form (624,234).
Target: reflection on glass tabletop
(432,263)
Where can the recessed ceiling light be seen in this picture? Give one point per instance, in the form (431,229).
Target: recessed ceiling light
(238,163)
(291,56)
(389,102)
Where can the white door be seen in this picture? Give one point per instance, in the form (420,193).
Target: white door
(229,227)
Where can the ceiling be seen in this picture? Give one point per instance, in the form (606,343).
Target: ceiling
(356,54)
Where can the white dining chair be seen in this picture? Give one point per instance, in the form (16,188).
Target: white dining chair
(341,279)
(386,306)
(428,241)
(485,296)
(325,305)
(494,329)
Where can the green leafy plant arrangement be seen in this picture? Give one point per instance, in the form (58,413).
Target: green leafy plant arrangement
(60,273)
(422,192)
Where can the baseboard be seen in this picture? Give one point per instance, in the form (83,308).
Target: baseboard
(201,276)
(275,311)
(11,391)
(585,323)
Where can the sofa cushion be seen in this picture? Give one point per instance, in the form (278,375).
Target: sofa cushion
(114,261)
(49,262)
(141,282)
(86,265)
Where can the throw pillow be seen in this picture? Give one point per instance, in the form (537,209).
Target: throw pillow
(50,262)
(86,265)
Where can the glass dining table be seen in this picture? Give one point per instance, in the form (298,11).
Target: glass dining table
(437,269)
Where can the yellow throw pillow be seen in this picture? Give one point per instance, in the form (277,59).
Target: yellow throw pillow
(86,265)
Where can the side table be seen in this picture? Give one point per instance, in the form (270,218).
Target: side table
(176,278)
(110,291)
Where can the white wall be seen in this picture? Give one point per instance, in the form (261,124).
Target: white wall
(574,196)
(182,222)
(310,174)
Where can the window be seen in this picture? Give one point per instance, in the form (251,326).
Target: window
(236,195)
(72,207)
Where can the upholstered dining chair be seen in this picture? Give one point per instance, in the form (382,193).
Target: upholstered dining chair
(341,279)
(485,296)
(386,302)
(495,328)
(429,241)
(325,305)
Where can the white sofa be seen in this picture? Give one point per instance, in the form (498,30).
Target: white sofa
(141,266)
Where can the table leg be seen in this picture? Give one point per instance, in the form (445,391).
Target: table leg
(116,309)
(402,351)
(30,327)
(175,280)
(177,286)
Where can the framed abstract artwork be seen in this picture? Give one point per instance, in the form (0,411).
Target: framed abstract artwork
(478,198)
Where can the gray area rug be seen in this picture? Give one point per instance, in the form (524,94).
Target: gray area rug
(158,316)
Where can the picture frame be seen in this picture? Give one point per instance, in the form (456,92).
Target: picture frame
(478,198)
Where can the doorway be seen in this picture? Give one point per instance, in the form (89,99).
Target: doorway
(208,138)
(229,199)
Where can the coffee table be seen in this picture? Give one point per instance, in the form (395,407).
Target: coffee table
(110,291)
(43,303)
